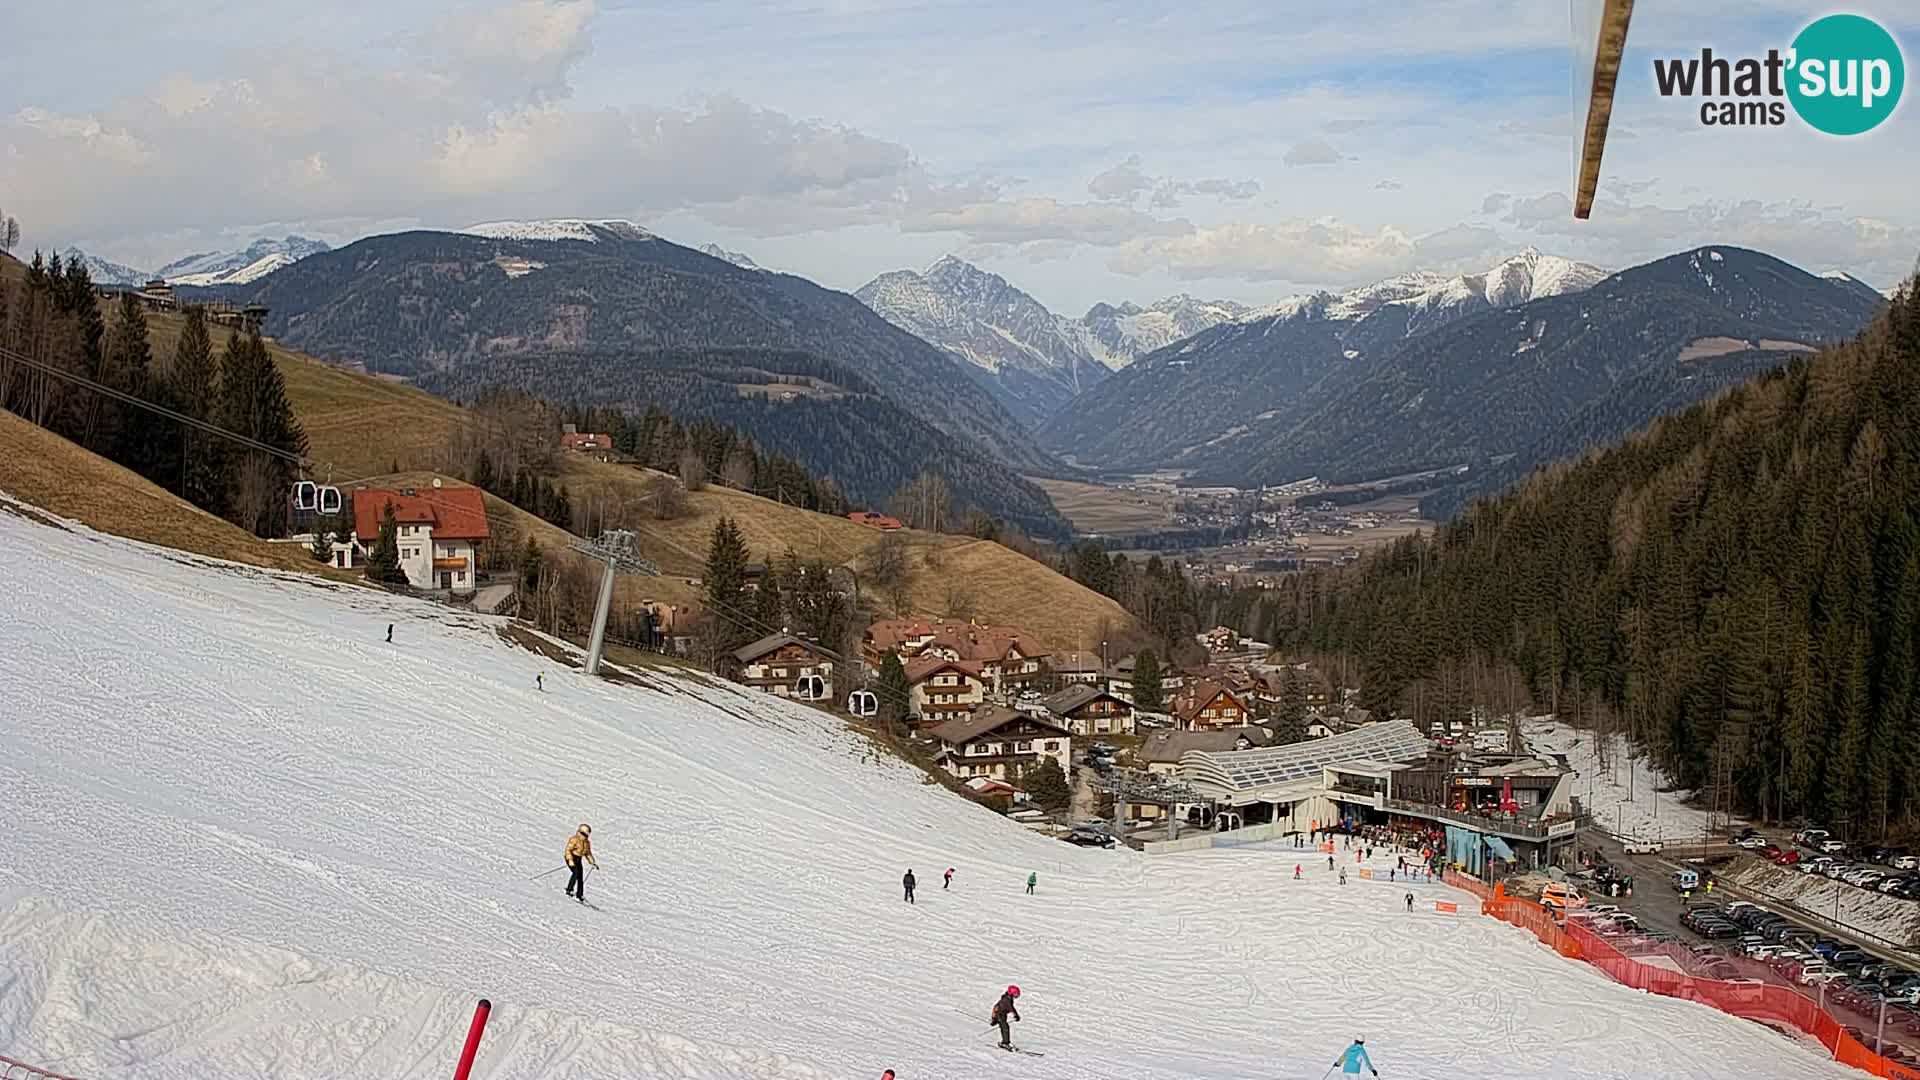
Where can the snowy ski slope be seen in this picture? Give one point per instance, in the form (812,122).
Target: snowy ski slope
(244,837)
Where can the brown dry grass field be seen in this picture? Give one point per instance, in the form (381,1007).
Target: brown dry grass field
(1097,508)
(46,470)
(363,426)
(1390,507)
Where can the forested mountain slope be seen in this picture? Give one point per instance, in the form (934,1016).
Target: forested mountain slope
(1738,586)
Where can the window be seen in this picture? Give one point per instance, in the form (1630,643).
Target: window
(1053,745)
(978,749)
(1023,747)
(779,673)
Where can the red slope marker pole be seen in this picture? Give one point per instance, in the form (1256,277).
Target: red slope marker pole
(473,1039)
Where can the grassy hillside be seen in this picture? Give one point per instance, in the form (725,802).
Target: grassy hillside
(50,472)
(363,426)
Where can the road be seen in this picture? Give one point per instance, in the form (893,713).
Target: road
(1658,907)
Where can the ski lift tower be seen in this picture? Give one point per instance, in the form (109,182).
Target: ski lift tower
(1147,788)
(614,548)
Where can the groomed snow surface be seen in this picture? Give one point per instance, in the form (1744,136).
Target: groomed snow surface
(1624,797)
(245,837)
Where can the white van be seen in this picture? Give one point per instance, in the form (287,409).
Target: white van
(1637,846)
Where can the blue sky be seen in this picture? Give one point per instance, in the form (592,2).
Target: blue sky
(1087,151)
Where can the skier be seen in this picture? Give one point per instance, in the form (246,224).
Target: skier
(947,883)
(1329,862)
(539,682)
(908,882)
(1296,871)
(1343,875)
(888,1075)
(1409,901)
(1003,1009)
(1390,873)
(579,855)
(1032,880)
(389,633)
(1350,1061)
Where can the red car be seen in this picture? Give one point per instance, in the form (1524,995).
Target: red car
(1785,858)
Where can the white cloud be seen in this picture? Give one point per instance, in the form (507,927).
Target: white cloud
(1016,222)
(1322,250)
(1312,152)
(1624,230)
(1127,182)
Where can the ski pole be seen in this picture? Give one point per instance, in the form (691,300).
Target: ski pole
(555,870)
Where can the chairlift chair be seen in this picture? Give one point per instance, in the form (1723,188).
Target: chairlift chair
(810,688)
(863,704)
(306,495)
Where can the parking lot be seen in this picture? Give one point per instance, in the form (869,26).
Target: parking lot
(1670,940)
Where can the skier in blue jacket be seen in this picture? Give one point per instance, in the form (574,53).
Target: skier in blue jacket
(1355,1057)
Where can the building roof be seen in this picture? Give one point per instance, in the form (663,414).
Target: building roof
(1076,662)
(969,641)
(1243,770)
(455,513)
(1167,747)
(987,718)
(875,520)
(1199,695)
(749,653)
(920,668)
(1073,697)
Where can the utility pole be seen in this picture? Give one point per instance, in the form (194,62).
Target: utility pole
(615,549)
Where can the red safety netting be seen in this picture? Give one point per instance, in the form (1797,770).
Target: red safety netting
(1752,999)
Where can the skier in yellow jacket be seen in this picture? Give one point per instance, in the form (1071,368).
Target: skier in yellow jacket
(579,854)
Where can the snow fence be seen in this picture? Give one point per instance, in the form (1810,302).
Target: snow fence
(1763,1002)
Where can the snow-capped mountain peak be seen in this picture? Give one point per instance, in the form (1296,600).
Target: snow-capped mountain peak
(104,272)
(1420,295)
(736,258)
(589,230)
(258,259)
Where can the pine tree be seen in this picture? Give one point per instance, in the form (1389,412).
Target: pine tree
(726,586)
(135,432)
(1290,721)
(253,402)
(192,388)
(383,561)
(769,605)
(1046,785)
(1147,693)
(321,548)
(891,689)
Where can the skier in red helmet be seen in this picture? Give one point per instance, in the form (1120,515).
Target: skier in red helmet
(1003,1009)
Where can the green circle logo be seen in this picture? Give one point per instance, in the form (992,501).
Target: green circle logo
(1847,74)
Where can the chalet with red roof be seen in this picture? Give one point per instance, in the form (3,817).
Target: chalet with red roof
(875,521)
(1206,705)
(939,689)
(1006,658)
(439,531)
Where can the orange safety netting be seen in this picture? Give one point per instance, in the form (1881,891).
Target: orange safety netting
(1752,999)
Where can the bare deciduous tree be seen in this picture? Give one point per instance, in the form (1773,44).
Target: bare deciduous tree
(693,470)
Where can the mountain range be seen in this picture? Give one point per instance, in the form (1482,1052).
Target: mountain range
(1182,401)
(1485,375)
(1033,360)
(251,263)
(607,312)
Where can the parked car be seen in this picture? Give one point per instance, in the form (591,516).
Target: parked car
(1637,846)
(1089,836)
(1810,836)
(1905,862)
(1787,857)
(1816,865)
(1832,847)
(1887,885)
(1752,843)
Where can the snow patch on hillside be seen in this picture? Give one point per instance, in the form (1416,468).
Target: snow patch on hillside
(247,837)
(1624,798)
(588,230)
